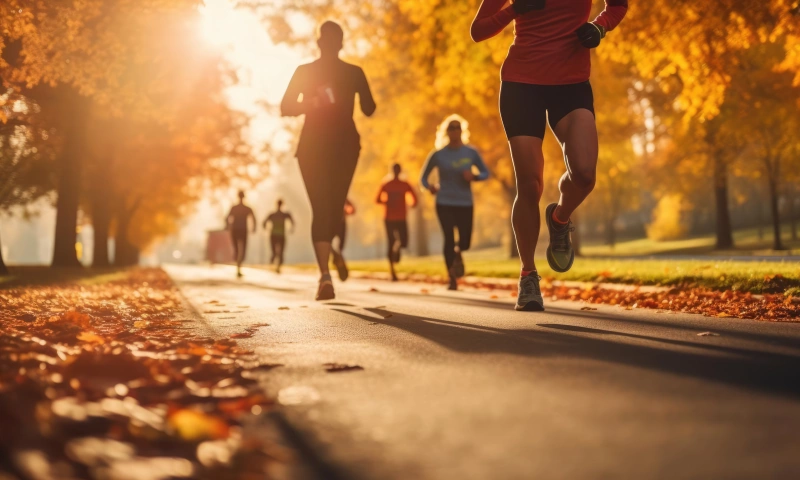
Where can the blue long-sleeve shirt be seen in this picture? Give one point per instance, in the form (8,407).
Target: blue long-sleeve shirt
(454,190)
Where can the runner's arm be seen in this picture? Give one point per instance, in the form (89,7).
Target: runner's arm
(430,163)
(251,214)
(483,172)
(379,199)
(613,14)
(290,105)
(491,19)
(289,217)
(413,196)
(365,95)
(266,220)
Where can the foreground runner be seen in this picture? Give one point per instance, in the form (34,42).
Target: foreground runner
(337,255)
(454,204)
(393,194)
(277,235)
(546,78)
(237,224)
(329,143)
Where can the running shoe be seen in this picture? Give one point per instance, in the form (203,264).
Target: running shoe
(341,266)
(325,289)
(529,298)
(458,265)
(560,253)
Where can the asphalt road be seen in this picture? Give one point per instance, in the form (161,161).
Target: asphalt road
(458,385)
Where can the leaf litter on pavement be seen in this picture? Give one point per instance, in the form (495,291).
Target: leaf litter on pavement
(106,381)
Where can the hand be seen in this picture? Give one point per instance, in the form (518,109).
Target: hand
(433,189)
(468,175)
(590,34)
(525,6)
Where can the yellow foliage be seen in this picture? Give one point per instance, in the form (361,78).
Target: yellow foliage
(668,219)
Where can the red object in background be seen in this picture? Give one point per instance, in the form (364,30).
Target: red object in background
(219,247)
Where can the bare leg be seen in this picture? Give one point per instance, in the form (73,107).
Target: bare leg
(577,134)
(526,153)
(323,252)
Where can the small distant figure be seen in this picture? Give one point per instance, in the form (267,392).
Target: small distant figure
(337,252)
(393,194)
(277,235)
(325,91)
(456,163)
(237,224)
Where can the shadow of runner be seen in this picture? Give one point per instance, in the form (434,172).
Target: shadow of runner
(238,283)
(757,371)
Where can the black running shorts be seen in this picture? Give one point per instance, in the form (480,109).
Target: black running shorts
(526,109)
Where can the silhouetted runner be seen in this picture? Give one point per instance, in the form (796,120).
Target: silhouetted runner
(337,255)
(277,235)
(454,205)
(324,91)
(237,224)
(393,194)
(545,78)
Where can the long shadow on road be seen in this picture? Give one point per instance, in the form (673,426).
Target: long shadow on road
(791,342)
(752,370)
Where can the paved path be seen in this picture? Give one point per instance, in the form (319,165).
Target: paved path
(458,385)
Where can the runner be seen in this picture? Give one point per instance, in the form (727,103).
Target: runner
(237,224)
(277,236)
(456,163)
(337,255)
(545,78)
(393,194)
(329,142)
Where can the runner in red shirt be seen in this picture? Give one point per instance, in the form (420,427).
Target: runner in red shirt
(545,79)
(393,194)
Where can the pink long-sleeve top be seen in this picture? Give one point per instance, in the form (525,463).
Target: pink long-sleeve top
(546,50)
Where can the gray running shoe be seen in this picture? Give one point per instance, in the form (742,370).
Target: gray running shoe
(560,253)
(530,298)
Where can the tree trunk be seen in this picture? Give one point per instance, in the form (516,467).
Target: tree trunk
(3,268)
(611,234)
(792,219)
(777,243)
(72,120)
(125,254)
(421,227)
(724,230)
(101,220)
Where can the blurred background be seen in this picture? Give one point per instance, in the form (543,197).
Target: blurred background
(126,127)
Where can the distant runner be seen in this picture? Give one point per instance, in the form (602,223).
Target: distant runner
(545,79)
(337,252)
(324,91)
(393,194)
(277,235)
(237,224)
(454,205)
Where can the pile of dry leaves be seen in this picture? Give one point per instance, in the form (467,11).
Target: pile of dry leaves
(104,381)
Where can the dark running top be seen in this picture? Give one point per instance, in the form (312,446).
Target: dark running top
(278,220)
(239,214)
(324,91)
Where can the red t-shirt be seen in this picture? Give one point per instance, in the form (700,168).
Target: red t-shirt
(546,49)
(395,198)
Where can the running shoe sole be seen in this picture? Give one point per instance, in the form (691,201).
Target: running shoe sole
(550,227)
(325,292)
(533,306)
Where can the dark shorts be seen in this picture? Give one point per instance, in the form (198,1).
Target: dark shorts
(397,228)
(526,109)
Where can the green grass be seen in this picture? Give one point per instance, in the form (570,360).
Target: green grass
(756,277)
(747,243)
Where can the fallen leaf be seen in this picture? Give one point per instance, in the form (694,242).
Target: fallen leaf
(588,308)
(339,367)
(283,308)
(708,334)
(373,289)
(194,425)
(493,297)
